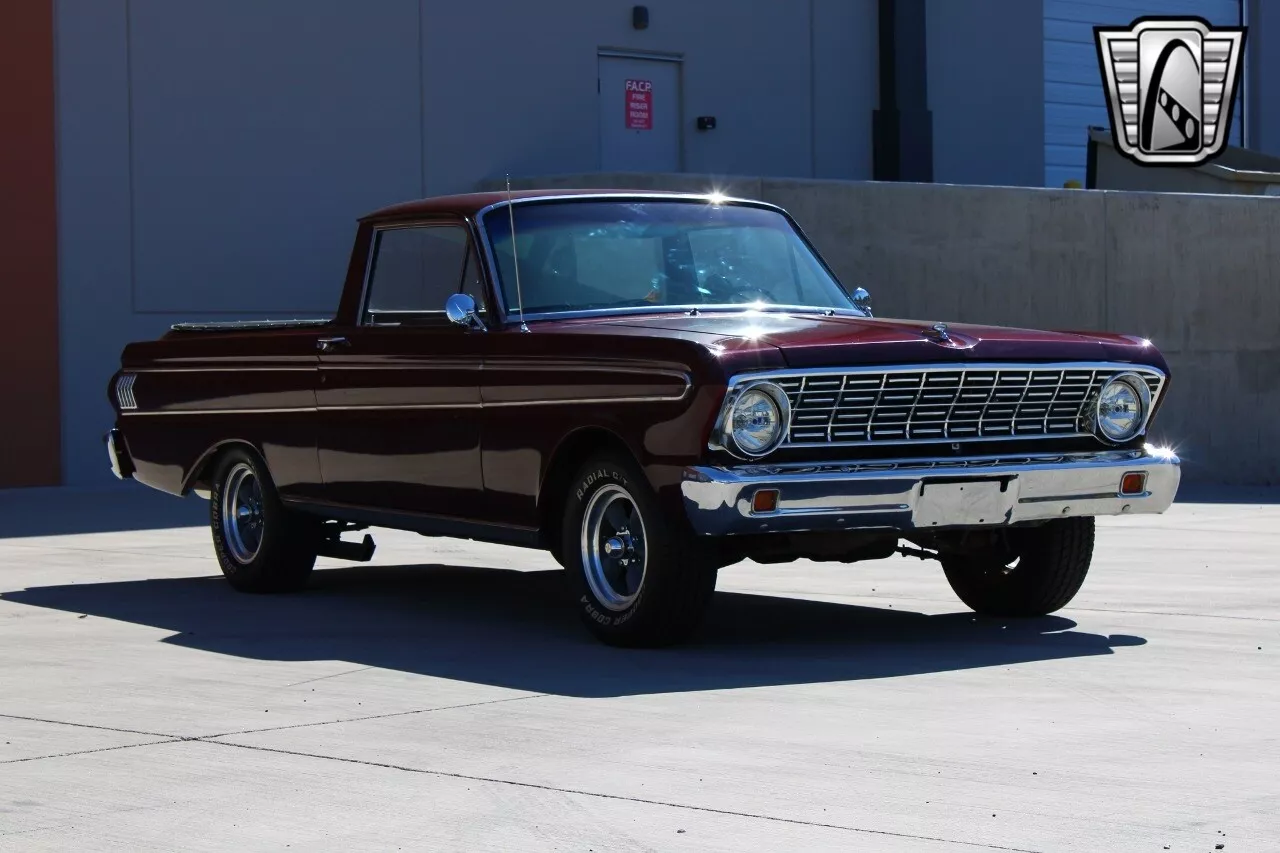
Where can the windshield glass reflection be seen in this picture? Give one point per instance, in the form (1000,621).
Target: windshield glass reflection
(602,255)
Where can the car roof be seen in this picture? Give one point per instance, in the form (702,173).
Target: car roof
(469,204)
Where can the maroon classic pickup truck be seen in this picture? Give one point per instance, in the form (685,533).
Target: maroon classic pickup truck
(652,387)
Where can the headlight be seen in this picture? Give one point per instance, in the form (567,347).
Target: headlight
(1122,407)
(757,420)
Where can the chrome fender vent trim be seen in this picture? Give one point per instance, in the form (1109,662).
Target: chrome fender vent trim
(124,392)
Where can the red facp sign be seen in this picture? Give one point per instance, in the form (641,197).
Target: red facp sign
(639,105)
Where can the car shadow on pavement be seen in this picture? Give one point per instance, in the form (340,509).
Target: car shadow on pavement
(515,629)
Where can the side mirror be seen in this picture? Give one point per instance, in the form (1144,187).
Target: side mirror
(862,301)
(461,309)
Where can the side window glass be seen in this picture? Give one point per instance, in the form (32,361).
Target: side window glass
(415,270)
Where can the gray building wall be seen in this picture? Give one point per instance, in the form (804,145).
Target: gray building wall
(212,157)
(986,91)
(755,72)
(1262,75)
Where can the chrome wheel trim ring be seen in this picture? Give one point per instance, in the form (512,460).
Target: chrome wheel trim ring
(614,550)
(242,521)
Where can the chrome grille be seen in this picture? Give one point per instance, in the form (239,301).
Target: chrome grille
(946,404)
(124,391)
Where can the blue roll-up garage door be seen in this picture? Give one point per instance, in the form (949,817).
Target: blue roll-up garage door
(1073,96)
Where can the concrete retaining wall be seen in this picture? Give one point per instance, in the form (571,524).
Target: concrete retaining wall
(1197,274)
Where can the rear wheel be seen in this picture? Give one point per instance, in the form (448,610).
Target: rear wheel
(261,546)
(1040,570)
(636,581)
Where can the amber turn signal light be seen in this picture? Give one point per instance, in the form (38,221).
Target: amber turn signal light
(765,500)
(1133,483)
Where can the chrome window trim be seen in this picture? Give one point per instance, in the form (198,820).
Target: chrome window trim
(505,311)
(636,311)
(735,383)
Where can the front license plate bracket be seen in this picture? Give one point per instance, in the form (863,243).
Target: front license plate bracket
(965,503)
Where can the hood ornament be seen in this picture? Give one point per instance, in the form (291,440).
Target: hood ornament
(938,332)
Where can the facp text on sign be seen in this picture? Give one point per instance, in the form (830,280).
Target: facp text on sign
(639,105)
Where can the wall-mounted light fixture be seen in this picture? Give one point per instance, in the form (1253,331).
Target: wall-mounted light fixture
(640,17)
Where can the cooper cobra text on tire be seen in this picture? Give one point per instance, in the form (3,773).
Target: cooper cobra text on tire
(1042,571)
(261,546)
(636,582)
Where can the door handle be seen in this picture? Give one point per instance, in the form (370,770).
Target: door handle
(331,344)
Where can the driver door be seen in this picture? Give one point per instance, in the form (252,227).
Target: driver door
(399,393)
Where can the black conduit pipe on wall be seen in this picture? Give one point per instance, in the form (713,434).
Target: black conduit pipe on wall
(902,128)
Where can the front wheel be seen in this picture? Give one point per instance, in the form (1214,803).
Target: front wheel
(1039,572)
(636,582)
(261,545)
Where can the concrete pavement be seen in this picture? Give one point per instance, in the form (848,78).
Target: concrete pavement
(442,698)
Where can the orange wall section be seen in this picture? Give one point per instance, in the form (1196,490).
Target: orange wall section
(30,422)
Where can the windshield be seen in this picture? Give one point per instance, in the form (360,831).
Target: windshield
(592,255)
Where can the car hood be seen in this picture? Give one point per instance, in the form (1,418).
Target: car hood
(816,340)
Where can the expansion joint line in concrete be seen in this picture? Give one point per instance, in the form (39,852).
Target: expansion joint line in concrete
(163,738)
(214,740)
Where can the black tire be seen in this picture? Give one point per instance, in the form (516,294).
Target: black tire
(284,553)
(675,584)
(1052,561)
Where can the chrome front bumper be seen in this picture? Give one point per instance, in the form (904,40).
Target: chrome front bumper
(918,494)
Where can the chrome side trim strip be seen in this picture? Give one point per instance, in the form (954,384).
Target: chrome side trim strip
(588,400)
(577,401)
(227,369)
(171,412)
(561,367)
(469,367)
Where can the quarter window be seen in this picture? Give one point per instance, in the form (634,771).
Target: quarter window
(416,270)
